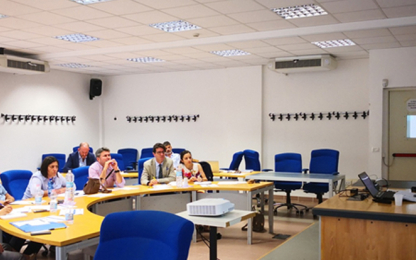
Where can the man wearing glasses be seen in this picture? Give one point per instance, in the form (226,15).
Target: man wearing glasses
(158,169)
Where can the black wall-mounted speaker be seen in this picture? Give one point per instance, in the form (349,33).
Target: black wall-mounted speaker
(95,88)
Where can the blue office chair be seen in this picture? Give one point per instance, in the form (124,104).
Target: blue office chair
(288,162)
(178,150)
(144,234)
(129,157)
(119,159)
(140,166)
(322,161)
(15,182)
(76,149)
(252,160)
(80,176)
(146,152)
(235,162)
(59,156)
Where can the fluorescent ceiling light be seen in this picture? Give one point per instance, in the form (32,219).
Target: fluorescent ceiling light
(145,59)
(299,11)
(229,53)
(77,37)
(74,65)
(334,43)
(87,2)
(175,26)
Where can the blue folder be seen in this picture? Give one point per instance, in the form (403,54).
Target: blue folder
(29,228)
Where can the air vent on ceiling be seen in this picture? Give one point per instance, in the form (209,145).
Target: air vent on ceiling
(20,65)
(303,64)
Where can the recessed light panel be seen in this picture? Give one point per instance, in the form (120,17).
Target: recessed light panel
(334,43)
(299,11)
(175,26)
(145,59)
(74,65)
(77,37)
(229,53)
(87,2)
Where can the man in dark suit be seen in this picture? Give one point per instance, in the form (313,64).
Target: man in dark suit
(158,169)
(80,158)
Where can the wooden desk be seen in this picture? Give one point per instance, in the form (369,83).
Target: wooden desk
(290,176)
(240,175)
(366,229)
(226,220)
(86,228)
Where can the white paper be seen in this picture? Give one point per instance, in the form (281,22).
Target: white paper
(76,211)
(203,182)
(53,219)
(231,182)
(161,187)
(21,202)
(13,215)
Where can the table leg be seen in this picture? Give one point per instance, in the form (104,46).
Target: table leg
(271,216)
(213,243)
(249,231)
(330,187)
(60,253)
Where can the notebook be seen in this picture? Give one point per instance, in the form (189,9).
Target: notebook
(368,183)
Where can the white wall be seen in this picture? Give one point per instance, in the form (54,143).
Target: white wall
(55,93)
(342,89)
(399,67)
(227,100)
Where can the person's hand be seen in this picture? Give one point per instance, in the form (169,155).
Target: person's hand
(192,179)
(60,191)
(107,163)
(153,182)
(199,178)
(114,164)
(6,210)
(7,202)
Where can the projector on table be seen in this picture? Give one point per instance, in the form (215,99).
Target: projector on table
(209,207)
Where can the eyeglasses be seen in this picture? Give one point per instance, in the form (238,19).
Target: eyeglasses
(161,152)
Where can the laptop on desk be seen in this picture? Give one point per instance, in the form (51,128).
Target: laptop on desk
(375,193)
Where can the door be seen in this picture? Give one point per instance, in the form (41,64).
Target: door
(402,134)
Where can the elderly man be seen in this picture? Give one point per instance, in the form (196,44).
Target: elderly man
(106,169)
(80,158)
(176,158)
(158,169)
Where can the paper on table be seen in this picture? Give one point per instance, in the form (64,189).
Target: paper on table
(52,219)
(202,182)
(99,195)
(21,202)
(161,187)
(77,212)
(231,182)
(32,222)
(13,215)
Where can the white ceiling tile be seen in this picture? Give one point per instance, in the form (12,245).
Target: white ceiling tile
(75,46)
(307,52)
(98,57)
(213,21)
(352,55)
(79,27)
(271,25)
(392,3)
(367,33)
(24,44)
(199,55)
(6,39)
(48,4)
(337,50)
(260,50)
(121,7)
(232,29)
(360,16)
(380,45)
(10,8)
(183,50)
(108,34)
(285,41)
(214,47)
(324,37)
(408,43)
(103,44)
(15,23)
(49,41)
(282,3)
(47,31)
(193,34)
(270,55)
(301,46)
(132,40)
(375,40)
(402,11)
(81,13)
(249,44)
(162,4)
(140,30)
(151,17)
(49,49)
(255,16)
(152,53)
(113,22)
(164,37)
(406,37)
(403,30)
(19,35)
(234,6)
(314,21)
(192,11)
(349,6)
(46,18)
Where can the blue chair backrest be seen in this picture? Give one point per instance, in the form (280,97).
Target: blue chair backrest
(119,159)
(235,163)
(252,160)
(129,156)
(178,150)
(80,176)
(146,152)
(76,149)
(59,156)
(15,182)
(140,163)
(324,161)
(288,162)
(128,235)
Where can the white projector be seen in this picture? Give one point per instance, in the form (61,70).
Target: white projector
(209,207)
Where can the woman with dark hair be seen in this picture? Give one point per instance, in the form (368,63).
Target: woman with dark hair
(48,175)
(192,171)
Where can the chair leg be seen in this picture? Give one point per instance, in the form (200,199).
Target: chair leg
(289,204)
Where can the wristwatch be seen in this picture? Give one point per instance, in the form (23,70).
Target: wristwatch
(117,171)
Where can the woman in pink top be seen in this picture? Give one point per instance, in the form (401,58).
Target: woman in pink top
(192,171)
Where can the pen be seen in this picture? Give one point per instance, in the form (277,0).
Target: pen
(57,228)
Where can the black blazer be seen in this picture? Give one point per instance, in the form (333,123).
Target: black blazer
(73,161)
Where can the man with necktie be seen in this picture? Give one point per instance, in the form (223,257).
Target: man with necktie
(158,169)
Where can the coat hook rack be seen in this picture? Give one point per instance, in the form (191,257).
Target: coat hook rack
(320,115)
(162,119)
(39,118)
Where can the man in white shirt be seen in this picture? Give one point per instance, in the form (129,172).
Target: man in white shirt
(173,156)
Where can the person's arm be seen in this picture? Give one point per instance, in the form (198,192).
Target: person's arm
(145,179)
(9,199)
(6,210)
(33,183)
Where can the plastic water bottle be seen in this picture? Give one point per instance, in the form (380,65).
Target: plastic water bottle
(38,195)
(178,178)
(70,189)
(69,215)
(54,202)
(185,182)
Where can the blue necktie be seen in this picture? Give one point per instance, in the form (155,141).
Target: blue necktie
(160,171)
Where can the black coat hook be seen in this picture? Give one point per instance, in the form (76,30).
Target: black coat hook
(312,116)
(157,118)
(288,117)
(304,116)
(296,117)
(280,117)
(128,119)
(355,115)
(320,116)
(21,117)
(163,118)
(364,115)
(329,116)
(145,119)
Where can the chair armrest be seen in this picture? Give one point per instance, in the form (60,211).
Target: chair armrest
(305,170)
(335,173)
(267,170)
